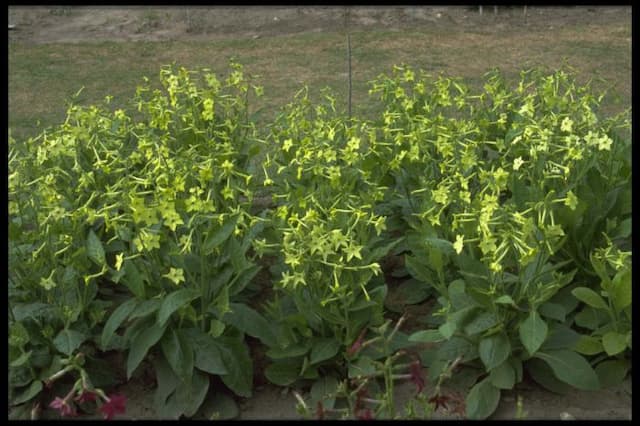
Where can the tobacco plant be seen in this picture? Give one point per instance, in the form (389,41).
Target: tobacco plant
(487,185)
(327,237)
(146,213)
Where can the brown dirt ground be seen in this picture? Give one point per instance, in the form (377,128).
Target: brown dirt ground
(65,24)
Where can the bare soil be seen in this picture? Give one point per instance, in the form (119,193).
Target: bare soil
(65,24)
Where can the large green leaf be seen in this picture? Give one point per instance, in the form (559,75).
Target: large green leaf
(503,376)
(190,394)
(237,361)
(544,376)
(146,308)
(140,345)
(533,332)
(216,237)
(67,341)
(179,353)
(481,322)
(590,297)
(291,351)
(494,350)
(220,406)
(571,368)
(614,342)
(323,349)
(283,373)
(208,357)
(173,302)
(116,319)
(426,336)
(588,345)
(620,292)
(591,318)
(167,382)
(133,279)
(95,251)
(612,372)
(250,322)
(25,395)
(482,400)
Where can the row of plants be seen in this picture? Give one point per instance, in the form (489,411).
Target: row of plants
(144,232)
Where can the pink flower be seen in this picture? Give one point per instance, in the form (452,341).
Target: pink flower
(439,401)
(116,404)
(365,414)
(63,407)
(86,396)
(416,375)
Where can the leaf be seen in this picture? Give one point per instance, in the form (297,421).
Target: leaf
(146,308)
(323,349)
(193,392)
(173,302)
(167,383)
(363,366)
(67,341)
(458,346)
(533,332)
(290,351)
(614,342)
(413,291)
(552,311)
(282,373)
(620,292)
(417,270)
(31,391)
(426,336)
(250,322)
(494,350)
(95,251)
(544,376)
(560,337)
(237,361)
(612,372)
(481,323)
(115,320)
(218,236)
(588,345)
(245,277)
(22,359)
(133,279)
(503,376)
(321,389)
(505,300)
(482,400)
(571,368)
(381,251)
(590,318)
(140,345)
(589,297)
(178,352)
(220,407)
(208,357)
(447,329)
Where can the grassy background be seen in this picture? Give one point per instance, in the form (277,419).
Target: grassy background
(42,77)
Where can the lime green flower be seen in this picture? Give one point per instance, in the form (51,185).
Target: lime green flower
(353,250)
(459,243)
(287,145)
(119,260)
(48,283)
(227,193)
(571,201)
(604,143)
(517,163)
(175,275)
(566,125)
